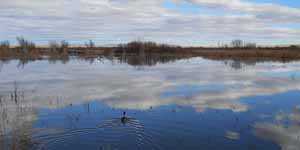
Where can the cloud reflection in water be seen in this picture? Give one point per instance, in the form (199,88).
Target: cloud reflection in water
(197,83)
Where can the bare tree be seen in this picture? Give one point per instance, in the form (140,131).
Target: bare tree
(90,44)
(25,45)
(250,45)
(60,48)
(237,43)
(53,45)
(64,44)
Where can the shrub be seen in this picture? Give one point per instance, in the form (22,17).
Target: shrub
(250,45)
(25,45)
(4,45)
(64,44)
(53,46)
(237,43)
(59,48)
(90,44)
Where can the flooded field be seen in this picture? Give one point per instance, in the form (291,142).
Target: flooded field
(171,104)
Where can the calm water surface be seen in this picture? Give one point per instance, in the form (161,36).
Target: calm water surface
(186,104)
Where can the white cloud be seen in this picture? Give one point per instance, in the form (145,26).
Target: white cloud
(109,20)
(232,135)
(266,11)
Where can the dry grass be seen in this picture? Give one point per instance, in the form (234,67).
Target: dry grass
(4,49)
(267,54)
(26,50)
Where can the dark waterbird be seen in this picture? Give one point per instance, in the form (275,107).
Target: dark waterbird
(124,118)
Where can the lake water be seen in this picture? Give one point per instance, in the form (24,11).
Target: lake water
(186,104)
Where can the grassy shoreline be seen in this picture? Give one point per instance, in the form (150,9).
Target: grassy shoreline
(271,53)
(56,50)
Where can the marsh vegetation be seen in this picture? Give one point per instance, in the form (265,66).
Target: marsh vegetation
(145,53)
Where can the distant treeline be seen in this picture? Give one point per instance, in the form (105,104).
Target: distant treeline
(147,47)
(27,49)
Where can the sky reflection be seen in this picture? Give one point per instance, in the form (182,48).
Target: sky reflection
(201,83)
(250,103)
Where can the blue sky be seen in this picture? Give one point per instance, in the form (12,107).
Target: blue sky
(181,22)
(291,3)
(191,8)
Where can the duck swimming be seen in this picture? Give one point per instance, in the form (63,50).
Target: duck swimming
(124,119)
